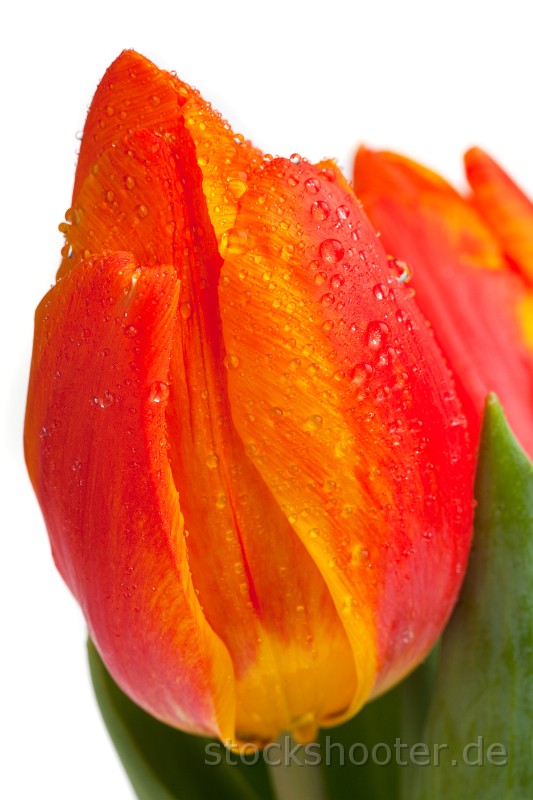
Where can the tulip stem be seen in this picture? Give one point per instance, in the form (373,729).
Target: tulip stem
(294,771)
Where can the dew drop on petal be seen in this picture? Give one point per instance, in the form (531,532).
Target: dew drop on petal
(313,423)
(381,290)
(185,309)
(361,373)
(159,392)
(376,335)
(320,211)
(331,251)
(211,461)
(231,361)
(337,281)
(312,185)
(105,400)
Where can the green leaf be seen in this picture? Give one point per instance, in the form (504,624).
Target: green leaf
(482,709)
(163,763)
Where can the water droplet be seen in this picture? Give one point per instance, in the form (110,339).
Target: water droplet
(221,501)
(343,212)
(76,466)
(327,173)
(340,449)
(331,251)
(287,251)
(407,636)
(155,100)
(376,335)
(320,211)
(104,401)
(231,361)
(380,290)
(129,182)
(337,281)
(159,392)
(243,274)
(295,158)
(312,185)
(130,331)
(71,216)
(234,241)
(327,299)
(142,211)
(185,309)
(361,373)
(211,461)
(320,278)
(313,423)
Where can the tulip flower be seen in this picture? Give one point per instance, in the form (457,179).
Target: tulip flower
(472,263)
(250,456)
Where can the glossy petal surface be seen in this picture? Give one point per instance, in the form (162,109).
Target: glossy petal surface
(146,193)
(344,405)
(477,305)
(133,97)
(96,447)
(259,490)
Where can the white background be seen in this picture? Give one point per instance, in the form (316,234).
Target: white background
(428,79)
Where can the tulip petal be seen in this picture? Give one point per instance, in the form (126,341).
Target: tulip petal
(96,449)
(506,209)
(132,201)
(240,545)
(134,96)
(463,285)
(260,591)
(348,412)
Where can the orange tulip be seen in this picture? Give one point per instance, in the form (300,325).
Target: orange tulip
(254,469)
(472,262)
